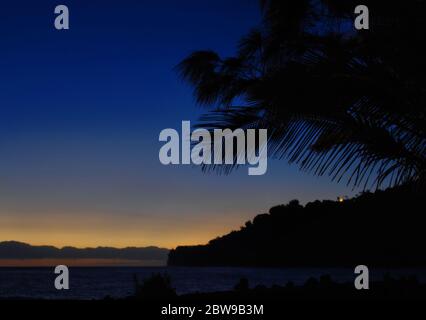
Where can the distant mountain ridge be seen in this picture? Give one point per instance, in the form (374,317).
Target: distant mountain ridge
(20,250)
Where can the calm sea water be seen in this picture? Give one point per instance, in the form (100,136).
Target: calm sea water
(97,283)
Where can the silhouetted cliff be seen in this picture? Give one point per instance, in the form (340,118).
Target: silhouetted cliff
(384,228)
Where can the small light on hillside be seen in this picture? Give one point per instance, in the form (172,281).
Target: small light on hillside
(340,199)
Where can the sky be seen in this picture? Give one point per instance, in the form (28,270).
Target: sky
(80,115)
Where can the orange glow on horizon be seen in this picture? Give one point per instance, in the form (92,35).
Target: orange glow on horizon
(96,231)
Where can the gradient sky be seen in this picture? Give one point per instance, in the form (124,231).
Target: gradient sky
(80,114)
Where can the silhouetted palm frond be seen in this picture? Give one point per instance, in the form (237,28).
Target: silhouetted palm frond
(337,103)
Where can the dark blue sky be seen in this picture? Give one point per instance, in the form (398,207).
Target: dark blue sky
(80,114)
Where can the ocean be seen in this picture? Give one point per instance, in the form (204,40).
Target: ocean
(118,282)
